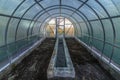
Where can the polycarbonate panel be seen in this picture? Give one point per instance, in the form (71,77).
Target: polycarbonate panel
(110,7)
(48,3)
(11,30)
(85,38)
(108,30)
(20,11)
(3,23)
(36,28)
(85,33)
(78,29)
(22,29)
(56,15)
(77,26)
(107,50)
(42,30)
(97,30)
(40,14)
(44,23)
(32,12)
(54,11)
(117,4)
(82,16)
(66,11)
(88,12)
(117,30)
(116,56)
(84,28)
(66,16)
(77,17)
(43,17)
(51,21)
(97,44)
(29,33)
(90,28)
(73,3)
(83,0)
(100,11)
(8,6)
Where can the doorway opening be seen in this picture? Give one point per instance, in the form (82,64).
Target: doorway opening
(59,27)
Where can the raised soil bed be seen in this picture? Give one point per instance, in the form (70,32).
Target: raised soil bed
(34,66)
(86,66)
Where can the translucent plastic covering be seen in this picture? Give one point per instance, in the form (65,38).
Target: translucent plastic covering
(97,23)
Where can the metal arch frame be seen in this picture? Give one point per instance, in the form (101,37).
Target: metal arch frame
(33,23)
(65,14)
(58,8)
(115,5)
(71,20)
(56,5)
(21,19)
(53,9)
(109,19)
(37,1)
(6,30)
(89,25)
(36,22)
(45,22)
(80,7)
(5,15)
(84,17)
(11,18)
(113,28)
(84,2)
(50,16)
(41,6)
(101,24)
(57,14)
(38,17)
(71,10)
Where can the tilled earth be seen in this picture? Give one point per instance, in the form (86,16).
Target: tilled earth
(34,66)
(86,66)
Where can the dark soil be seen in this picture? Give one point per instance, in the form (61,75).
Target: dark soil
(34,66)
(86,66)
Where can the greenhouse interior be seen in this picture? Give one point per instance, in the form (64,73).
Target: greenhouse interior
(59,39)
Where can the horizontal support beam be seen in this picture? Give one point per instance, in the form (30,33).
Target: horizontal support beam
(4,15)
